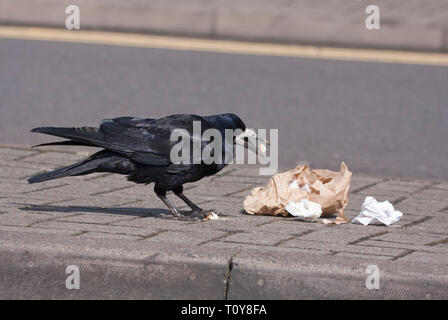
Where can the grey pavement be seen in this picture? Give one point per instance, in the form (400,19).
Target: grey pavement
(386,119)
(127,245)
(405,24)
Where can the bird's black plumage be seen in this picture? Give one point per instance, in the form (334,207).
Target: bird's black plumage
(140,148)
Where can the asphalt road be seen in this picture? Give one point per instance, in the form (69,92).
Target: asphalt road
(386,119)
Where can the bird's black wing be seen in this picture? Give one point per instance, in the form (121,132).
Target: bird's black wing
(146,141)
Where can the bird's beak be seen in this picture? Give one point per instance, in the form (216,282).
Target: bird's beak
(252,141)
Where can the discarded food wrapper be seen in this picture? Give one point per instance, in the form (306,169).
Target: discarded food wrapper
(325,187)
(306,210)
(374,212)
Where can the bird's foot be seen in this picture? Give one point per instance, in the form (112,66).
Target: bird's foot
(200,214)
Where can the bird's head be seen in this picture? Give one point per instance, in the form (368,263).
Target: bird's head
(231,121)
(247,137)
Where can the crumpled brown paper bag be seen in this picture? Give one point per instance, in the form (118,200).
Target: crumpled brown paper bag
(328,188)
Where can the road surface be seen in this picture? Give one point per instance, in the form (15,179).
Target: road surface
(380,118)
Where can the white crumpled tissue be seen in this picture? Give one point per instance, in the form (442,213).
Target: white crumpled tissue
(374,212)
(305,209)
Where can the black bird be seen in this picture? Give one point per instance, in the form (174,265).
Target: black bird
(140,148)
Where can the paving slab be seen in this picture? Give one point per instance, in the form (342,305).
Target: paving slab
(127,245)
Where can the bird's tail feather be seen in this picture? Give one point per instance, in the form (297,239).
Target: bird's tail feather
(85,135)
(103,161)
(63,143)
(72,170)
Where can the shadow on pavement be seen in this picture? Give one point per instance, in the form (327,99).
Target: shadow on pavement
(154,212)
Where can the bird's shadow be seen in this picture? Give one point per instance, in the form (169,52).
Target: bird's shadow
(138,212)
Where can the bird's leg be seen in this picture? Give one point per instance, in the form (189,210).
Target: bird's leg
(195,210)
(162,196)
(172,208)
(197,213)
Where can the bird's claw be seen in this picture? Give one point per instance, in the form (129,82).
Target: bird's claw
(199,214)
(190,218)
